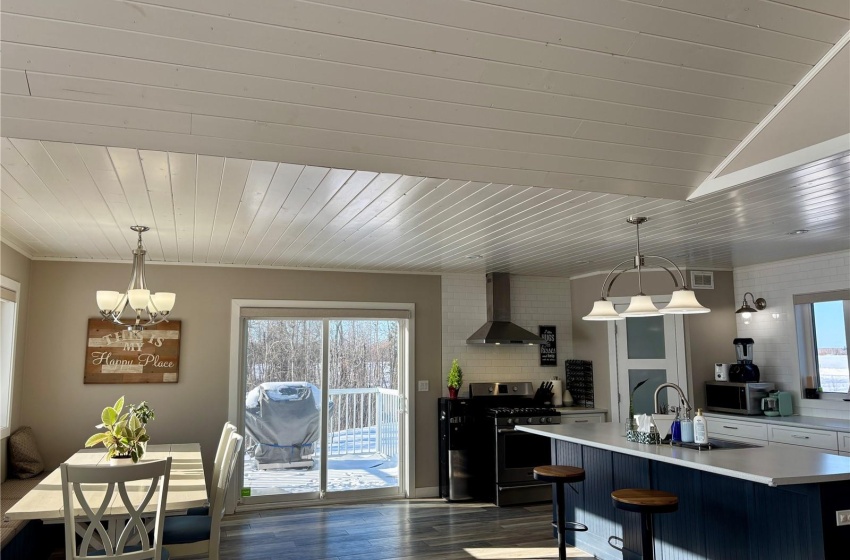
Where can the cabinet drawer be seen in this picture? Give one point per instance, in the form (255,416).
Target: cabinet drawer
(582,418)
(750,430)
(844,442)
(807,438)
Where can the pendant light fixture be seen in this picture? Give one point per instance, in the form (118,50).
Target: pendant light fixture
(157,306)
(683,300)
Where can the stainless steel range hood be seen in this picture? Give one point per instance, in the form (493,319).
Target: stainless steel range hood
(498,329)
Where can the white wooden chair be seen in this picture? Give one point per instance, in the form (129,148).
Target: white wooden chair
(137,486)
(197,535)
(219,456)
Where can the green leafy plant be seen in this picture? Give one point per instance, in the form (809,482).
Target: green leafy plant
(455,377)
(125,434)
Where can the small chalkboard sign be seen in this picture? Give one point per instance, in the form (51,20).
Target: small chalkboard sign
(548,350)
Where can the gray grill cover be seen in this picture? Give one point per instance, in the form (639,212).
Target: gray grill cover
(282,419)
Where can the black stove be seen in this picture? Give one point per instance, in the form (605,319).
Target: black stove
(498,461)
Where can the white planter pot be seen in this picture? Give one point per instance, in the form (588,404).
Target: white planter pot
(120,461)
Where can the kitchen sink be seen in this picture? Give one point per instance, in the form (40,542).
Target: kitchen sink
(714,444)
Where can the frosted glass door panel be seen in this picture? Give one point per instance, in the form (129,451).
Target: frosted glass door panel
(642,396)
(645,338)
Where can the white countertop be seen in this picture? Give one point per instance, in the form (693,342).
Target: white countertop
(834,424)
(774,466)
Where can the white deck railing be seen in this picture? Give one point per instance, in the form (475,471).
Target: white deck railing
(364,421)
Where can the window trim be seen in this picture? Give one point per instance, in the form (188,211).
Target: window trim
(13,286)
(804,322)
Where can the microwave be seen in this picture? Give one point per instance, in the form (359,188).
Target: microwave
(736,398)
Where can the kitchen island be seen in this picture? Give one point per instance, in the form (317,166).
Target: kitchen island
(761,502)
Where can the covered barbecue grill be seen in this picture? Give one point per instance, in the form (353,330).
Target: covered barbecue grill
(282,422)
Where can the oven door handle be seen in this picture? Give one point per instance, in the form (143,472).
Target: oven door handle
(505,431)
(522,486)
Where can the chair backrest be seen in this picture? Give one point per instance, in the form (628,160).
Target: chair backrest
(219,456)
(92,489)
(228,465)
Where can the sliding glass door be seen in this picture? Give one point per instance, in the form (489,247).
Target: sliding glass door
(323,405)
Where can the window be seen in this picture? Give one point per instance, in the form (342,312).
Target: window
(823,322)
(8,329)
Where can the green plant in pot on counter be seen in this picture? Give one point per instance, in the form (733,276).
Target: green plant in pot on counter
(454,379)
(125,435)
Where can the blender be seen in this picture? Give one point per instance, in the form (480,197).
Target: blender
(745,371)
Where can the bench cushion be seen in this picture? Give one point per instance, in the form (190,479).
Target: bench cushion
(10,492)
(186,529)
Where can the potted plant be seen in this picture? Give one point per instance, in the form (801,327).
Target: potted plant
(455,379)
(125,436)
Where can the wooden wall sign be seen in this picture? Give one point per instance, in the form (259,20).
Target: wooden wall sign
(116,355)
(548,350)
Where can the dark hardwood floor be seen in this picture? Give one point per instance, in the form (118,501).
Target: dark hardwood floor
(401,529)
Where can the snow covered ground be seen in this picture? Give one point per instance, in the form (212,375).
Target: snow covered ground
(345,472)
(354,464)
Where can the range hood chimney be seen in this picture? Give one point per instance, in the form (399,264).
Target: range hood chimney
(498,329)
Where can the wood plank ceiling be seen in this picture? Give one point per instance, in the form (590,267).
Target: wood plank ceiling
(629,97)
(72,200)
(522,132)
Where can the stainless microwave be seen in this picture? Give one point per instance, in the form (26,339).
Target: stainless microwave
(736,398)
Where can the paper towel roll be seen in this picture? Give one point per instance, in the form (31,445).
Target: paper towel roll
(557,393)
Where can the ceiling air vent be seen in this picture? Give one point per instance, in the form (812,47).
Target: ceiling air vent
(702,280)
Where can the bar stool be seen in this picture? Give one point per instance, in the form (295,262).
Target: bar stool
(645,502)
(560,475)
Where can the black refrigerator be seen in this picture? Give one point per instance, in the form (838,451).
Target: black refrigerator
(455,441)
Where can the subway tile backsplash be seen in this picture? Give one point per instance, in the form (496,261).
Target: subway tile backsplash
(534,301)
(776,339)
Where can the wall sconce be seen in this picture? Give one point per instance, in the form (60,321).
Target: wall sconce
(746,311)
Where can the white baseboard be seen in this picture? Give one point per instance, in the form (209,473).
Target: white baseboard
(427,492)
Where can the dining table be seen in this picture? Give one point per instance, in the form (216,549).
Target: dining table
(187,487)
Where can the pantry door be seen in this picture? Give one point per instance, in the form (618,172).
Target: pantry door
(648,351)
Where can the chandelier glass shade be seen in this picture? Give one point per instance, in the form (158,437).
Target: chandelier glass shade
(138,297)
(683,300)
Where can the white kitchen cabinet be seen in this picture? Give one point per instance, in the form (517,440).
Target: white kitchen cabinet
(820,439)
(596,418)
(723,428)
(844,442)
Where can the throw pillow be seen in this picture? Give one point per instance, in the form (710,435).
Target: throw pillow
(24,458)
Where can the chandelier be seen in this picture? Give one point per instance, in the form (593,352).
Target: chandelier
(157,306)
(683,300)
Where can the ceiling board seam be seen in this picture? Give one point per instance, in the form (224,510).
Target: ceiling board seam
(806,9)
(821,64)
(215,212)
(418,49)
(689,14)
(683,187)
(570,136)
(473,31)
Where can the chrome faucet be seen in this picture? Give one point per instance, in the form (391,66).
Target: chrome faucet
(672,386)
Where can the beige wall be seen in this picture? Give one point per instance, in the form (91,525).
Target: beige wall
(63,411)
(708,337)
(17,267)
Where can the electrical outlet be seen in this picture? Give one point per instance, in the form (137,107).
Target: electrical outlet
(422,385)
(842,517)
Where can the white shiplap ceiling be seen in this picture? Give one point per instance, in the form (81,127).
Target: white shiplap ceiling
(520,131)
(76,201)
(640,98)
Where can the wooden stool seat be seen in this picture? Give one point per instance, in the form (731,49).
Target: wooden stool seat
(558,474)
(644,500)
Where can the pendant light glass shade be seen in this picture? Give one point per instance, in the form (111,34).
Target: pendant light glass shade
(684,302)
(603,310)
(157,306)
(641,306)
